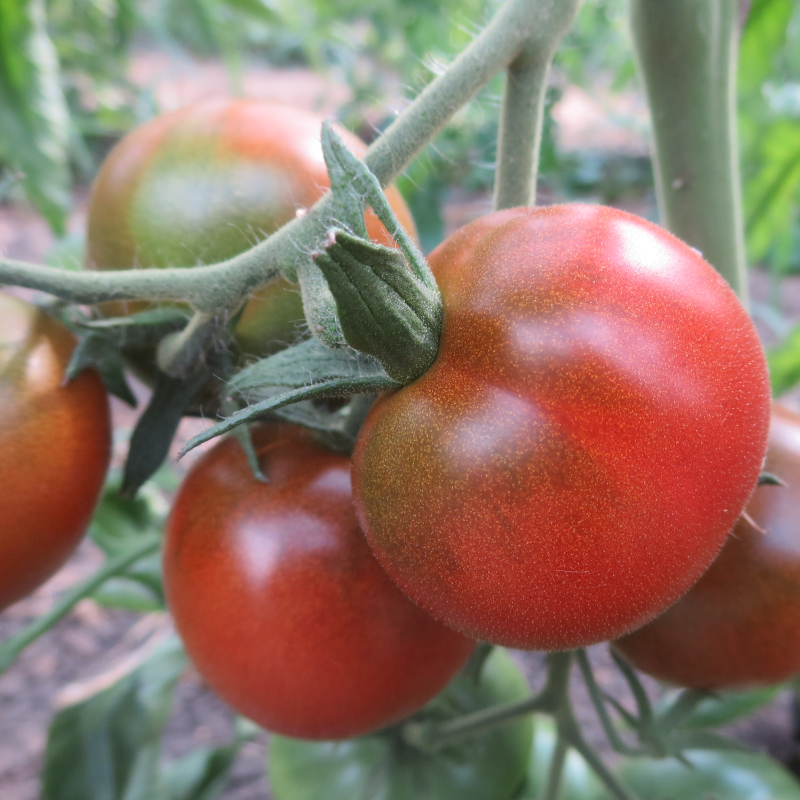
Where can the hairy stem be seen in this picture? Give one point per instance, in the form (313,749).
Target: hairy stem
(687,52)
(522,112)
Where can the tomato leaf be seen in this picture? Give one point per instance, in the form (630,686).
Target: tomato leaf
(784,363)
(107,747)
(723,776)
(723,708)
(34,119)
(490,766)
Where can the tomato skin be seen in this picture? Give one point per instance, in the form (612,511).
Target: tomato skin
(739,625)
(208,181)
(281,604)
(556,478)
(55,442)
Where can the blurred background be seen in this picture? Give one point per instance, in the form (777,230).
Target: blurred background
(76,75)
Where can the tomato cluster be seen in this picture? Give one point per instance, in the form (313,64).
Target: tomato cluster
(573,461)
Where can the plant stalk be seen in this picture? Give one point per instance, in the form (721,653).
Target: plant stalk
(522,112)
(687,52)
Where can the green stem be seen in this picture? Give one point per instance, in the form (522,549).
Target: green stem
(11,648)
(569,731)
(596,696)
(522,112)
(687,52)
(431,735)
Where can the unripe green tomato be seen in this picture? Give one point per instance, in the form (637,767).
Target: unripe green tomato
(204,183)
(55,441)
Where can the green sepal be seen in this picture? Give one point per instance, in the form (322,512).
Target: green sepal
(360,180)
(153,433)
(384,310)
(768,479)
(306,371)
(101,342)
(98,352)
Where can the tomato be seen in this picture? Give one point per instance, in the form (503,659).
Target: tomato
(206,182)
(281,604)
(55,441)
(594,423)
(739,625)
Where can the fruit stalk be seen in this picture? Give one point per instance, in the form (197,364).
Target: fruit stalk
(687,52)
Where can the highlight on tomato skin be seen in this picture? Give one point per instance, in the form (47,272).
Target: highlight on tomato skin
(208,181)
(739,625)
(281,604)
(593,425)
(55,445)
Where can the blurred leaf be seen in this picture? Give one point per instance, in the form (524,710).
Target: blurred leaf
(121,524)
(725,707)
(721,776)
(490,766)
(260,9)
(107,747)
(784,363)
(775,188)
(763,36)
(34,120)
(200,775)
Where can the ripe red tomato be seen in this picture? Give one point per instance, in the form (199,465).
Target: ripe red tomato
(55,441)
(739,625)
(591,429)
(208,181)
(281,604)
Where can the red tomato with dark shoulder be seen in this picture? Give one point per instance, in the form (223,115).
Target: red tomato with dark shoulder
(591,429)
(207,182)
(55,441)
(739,625)
(280,602)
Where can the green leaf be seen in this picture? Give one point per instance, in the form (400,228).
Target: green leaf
(775,188)
(34,119)
(721,776)
(723,708)
(763,36)
(107,747)
(200,775)
(258,9)
(98,352)
(784,363)
(490,766)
